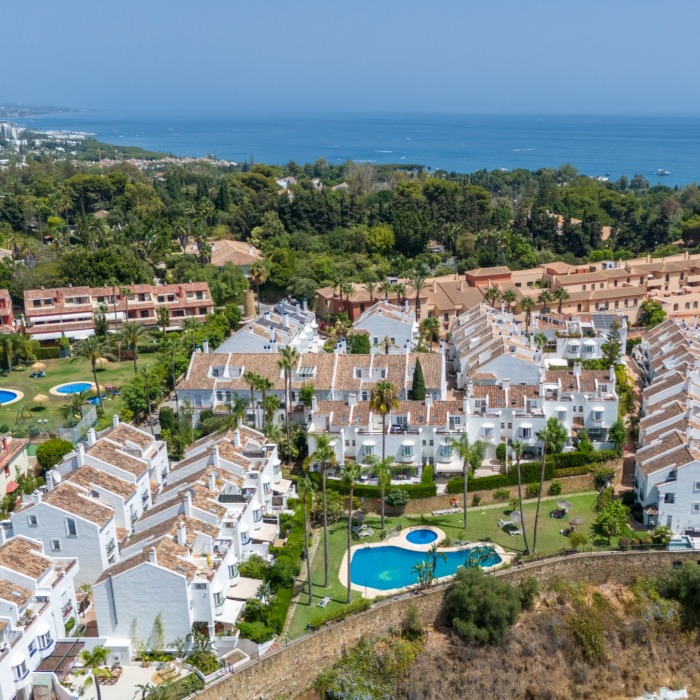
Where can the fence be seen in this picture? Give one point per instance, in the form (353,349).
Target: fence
(77,432)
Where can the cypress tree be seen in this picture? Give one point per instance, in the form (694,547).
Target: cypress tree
(223,198)
(418,383)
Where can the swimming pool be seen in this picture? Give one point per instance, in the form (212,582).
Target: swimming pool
(74,388)
(387,567)
(422,536)
(8,396)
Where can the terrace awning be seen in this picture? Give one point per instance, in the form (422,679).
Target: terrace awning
(11,487)
(284,486)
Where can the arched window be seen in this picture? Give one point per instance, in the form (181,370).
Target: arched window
(675,307)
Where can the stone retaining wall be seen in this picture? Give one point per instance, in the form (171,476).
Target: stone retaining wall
(291,670)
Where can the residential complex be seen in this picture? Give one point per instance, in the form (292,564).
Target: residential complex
(70,311)
(667,465)
(223,251)
(391,329)
(7,317)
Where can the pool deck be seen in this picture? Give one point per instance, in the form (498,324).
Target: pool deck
(401,541)
(54,390)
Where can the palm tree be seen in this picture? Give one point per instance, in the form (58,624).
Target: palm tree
(93,350)
(288,359)
(540,341)
(431,329)
(252,379)
(264,385)
(382,469)
(170,348)
(517,448)
(383,399)
(145,689)
(93,661)
(7,349)
(258,276)
(560,294)
(163,318)
(387,344)
(432,556)
(400,289)
(464,449)
(305,489)
(544,436)
(325,456)
(385,288)
(418,283)
(351,474)
(545,300)
(370,287)
(527,304)
(348,288)
(492,295)
(148,374)
(510,297)
(130,334)
(190,325)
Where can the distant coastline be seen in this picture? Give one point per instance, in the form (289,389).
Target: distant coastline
(597,146)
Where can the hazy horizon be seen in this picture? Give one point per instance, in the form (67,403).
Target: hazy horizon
(454,57)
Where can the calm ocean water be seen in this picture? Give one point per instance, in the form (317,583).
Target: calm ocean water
(595,145)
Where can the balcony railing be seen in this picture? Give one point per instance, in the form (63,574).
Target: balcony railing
(67,609)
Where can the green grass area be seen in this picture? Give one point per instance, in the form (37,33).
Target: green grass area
(482,524)
(60,372)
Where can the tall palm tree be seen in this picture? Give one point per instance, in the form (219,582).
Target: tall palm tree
(351,474)
(93,661)
(544,436)
(252,379)
(264,385)
(170,348)
(347,288)
(517,448)
(492,295)
(148,375)
(545,300)
(385,288)
(464,449)
(560,294)
(370,287)
(383,400)
(163,318)
(288,359)
(400,289)
(305,489)
(324,454)
(258,276)
(510,297)
(418,283)
(382,470)
(130,334)
(430,327)
(540,341)
(191,325)
(527,304)
(93,350)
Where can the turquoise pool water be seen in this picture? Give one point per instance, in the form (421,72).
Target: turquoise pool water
(74,388)
(423,536)
(390,567)
(6,396)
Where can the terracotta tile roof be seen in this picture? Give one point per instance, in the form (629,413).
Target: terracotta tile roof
(488,271)
(110,452)
(678,457)
(24,556)
(668,411)
(168,528)
(71,498)
(681,425)
(124,433)
(588,380)
(339,411)
(14,594)
(674,380)
(235,252)
(14,448)
(440,409)
(88,477)
(671,441)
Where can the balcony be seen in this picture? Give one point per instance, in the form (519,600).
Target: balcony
(67,609)
(111,547)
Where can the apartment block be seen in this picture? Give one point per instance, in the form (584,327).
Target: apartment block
(69,311)
(7,317)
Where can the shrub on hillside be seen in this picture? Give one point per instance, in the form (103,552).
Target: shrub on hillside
(51,452)
(554,488)
(532,490)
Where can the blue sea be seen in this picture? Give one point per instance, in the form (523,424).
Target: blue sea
(596,145)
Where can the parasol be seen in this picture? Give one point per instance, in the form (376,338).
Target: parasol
(41,398)
(564,505)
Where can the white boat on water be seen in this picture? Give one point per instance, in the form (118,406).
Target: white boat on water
(661,171)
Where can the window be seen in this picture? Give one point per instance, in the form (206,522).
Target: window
(526,433)
(407,450)
(696,507)
(306,372)
(232,570)
(696,486)
(32,520)
(55,545)
(445,449)
(447,317)
(432,442)
(488,431)
(44,640)
(670,498)
(561,415)
(257,515)
(218,599)
(597,415)
(32,647)
(367,450)
(583,288)
(71,529)
(20,671)
(200,586)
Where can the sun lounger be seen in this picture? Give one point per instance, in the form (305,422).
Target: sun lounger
(506,523)
(367,532)
(447,511)
(515,531)
(322,603)
(359,528)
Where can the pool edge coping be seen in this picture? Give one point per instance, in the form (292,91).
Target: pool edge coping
(54,389)
(19,397)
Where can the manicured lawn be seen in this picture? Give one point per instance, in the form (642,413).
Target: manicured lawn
(482,524)
(60,372)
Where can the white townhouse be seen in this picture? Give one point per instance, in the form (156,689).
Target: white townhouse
(286,325)
(37,599)
(391,329)
(212,380)
(663,418)
(70,523)
(419,433)
(13,458)
(214,512)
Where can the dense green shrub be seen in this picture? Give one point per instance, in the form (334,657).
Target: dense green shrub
(368,491)
(602,476)
(589,633)
(476,499)
(529,473)
(356,606)
(397,497)
(501,495)
(572,471)
(257,632)
(683,585)
(554,488)
(426,476)
(532,490)
(254,567)
(47,353)
(51,452)
(279,608)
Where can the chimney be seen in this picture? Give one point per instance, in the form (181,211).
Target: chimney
(314,404)
(505,385)
(470,388)
(577,369)
(91,438)
(153,556)
(428,399)
(251,250)
(305,305)
(611,374)
(236,438)
(285,319)
(115,420)
(187,503)
(211,481)
(37,497)
(181,533)
(80,454)
(465,406)
(215,452)
(205,347)
(3,535)
(352,399)
(248,303)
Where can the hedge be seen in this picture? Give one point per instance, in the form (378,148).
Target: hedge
(568,460)
(529,474)
(421,490)
(47,353)
(280,608)
(573,471)
(356,606)
(257,632)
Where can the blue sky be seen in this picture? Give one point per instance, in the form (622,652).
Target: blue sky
(492,56)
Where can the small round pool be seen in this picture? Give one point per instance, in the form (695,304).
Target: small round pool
(423,536)
(74,388)
(8,396)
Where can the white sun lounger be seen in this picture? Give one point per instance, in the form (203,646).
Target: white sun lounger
(322,603)
(359,528)
(506,523)
(515,531)
(367,532)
